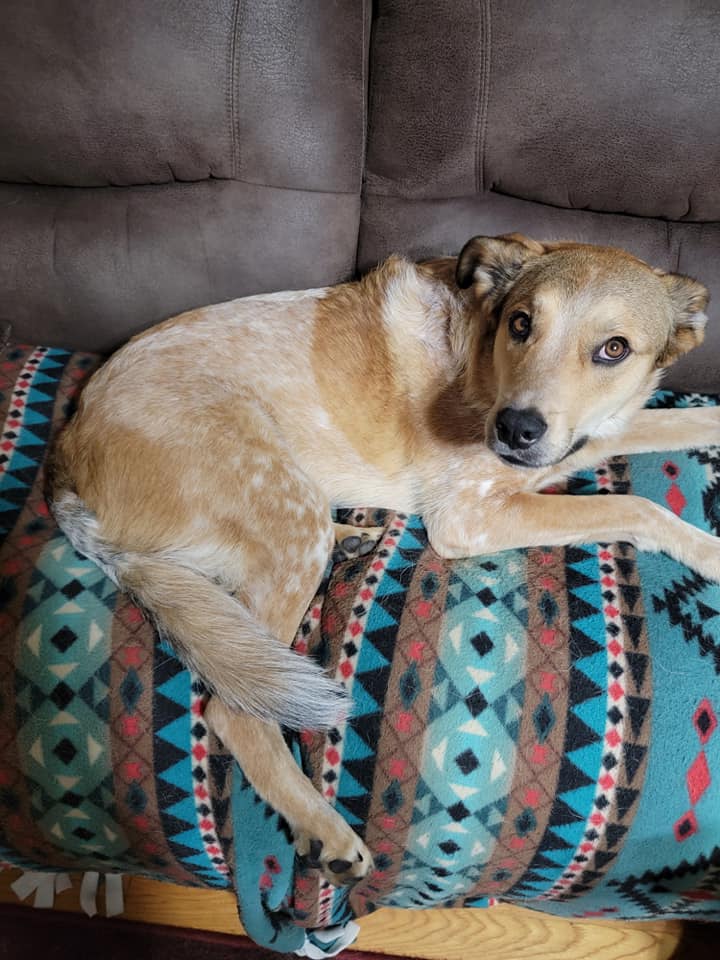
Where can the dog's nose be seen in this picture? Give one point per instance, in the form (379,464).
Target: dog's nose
(519,429)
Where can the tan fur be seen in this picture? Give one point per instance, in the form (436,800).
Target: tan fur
(202,463)
(347,365)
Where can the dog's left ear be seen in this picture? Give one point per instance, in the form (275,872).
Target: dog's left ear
(492,264)
(689,298)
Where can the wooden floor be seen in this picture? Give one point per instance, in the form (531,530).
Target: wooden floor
(501,933)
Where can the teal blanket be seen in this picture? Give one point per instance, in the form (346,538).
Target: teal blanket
(538,727)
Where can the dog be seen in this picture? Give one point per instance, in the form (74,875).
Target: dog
(200,468)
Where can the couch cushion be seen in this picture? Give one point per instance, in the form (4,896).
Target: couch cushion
(101,93)
(579,105)
(105,94)
(247,117)
(88,268)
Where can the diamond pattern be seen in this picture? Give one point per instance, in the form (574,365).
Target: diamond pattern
(705,721)
(476,702)
(698,778)
(467,761)
(544,718)
(459,801)
(62,671)
(583,745)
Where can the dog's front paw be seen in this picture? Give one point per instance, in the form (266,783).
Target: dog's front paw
(335,849)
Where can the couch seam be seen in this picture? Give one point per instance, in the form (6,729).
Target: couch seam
(657,218)
(169,184)
(367,93)
(481,110)
(231,96)
(365,81)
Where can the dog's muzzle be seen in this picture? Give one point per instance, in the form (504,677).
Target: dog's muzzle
(515,440)
(519,429)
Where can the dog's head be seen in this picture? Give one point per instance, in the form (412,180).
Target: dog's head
(581,335)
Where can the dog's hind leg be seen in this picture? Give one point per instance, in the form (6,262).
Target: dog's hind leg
(225,559)
(319,831)
(280,562)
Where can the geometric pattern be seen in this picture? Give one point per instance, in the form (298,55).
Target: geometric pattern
(689,889)
(201,757)
(378,599)
(698,777)
(82,721)
(516,727)
(476,697)
(183,780)
(582,748)
(61,698)
(581,773)
(628,701)
(684,602)
(26,428)
(362,661)
(541,733)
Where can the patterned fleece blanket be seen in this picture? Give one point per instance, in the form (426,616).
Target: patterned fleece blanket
(539,726)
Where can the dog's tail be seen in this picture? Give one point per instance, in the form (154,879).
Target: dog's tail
(220,640)
(215,635)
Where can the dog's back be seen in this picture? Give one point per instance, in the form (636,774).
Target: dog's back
(170,482)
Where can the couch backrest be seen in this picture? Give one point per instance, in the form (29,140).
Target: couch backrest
(219,145)
(575,120)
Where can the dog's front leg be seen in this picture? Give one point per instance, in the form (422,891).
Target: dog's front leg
(533,519)
(652,430)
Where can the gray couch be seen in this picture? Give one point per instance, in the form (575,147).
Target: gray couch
(157,156)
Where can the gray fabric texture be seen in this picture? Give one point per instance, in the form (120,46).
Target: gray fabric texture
(108,262)
(160,156)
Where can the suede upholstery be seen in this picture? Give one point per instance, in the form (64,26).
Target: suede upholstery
(156,157)
(218,146)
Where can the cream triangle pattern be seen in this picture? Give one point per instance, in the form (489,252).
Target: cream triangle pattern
(62,703)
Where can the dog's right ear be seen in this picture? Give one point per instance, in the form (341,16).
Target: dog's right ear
(492,264)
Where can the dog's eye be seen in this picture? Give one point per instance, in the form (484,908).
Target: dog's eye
(612,351)
(519,325)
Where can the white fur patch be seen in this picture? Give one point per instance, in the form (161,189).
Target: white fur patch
(82,529)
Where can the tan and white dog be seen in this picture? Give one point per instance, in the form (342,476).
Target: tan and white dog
(201,466)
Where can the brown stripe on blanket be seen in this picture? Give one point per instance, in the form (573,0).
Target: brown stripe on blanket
(400,752)
(534,786)
(221,796)
(132,742)
(326,618)
(329,611)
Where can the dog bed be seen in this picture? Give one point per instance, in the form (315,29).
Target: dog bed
(538,726)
